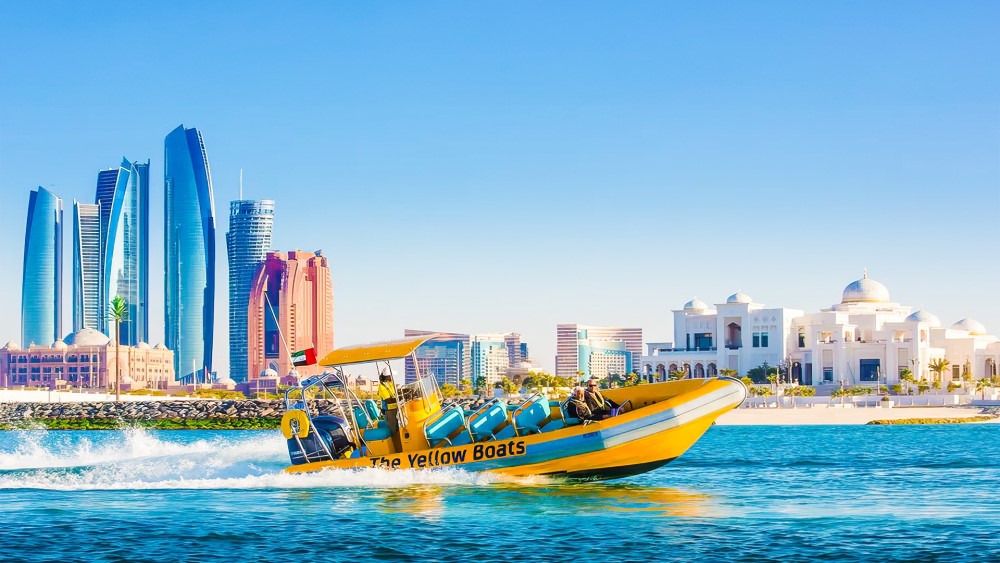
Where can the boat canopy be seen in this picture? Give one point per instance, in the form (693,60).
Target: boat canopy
(375,352)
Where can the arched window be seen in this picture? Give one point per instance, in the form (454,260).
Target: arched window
(712,371)
(699,370)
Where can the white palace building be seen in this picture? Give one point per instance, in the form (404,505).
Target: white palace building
(863,339)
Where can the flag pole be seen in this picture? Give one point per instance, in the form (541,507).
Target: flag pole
(280,336)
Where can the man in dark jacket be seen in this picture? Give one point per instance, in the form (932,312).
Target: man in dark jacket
(596,401)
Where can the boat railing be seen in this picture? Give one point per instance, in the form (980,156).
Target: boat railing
(441,413)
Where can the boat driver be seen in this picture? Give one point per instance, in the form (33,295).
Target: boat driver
(390,407)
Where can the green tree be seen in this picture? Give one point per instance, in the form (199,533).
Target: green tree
(508,386)
(727,372)
(759,374)
(632,378)
(939,366)
(678,374)
(480,384)
(448,390)
(981,385)
(118,312)
(465,385)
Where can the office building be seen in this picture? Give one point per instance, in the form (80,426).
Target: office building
(597,351)
(447,358)
(41,271)
(290,309)
(189,254)
(247,243)
(88,308)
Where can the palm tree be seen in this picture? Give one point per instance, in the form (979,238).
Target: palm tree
(906,376)
(981,385)
(678,374)
(727,372)
(939,366)
(118,312)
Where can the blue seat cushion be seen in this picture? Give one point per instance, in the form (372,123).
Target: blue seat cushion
(532,416)
(488,421)
(362,417)
(446,425)
(374,413)
(380,433)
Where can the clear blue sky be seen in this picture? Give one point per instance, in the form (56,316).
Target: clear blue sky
(507,166)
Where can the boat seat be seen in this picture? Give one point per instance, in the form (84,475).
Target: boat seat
(440,430)
(361,415)
(485,421)
(532,417)
(374,413)
(380,432)
(567,419)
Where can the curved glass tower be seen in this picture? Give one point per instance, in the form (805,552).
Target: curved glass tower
(247,242)
(41,284)
(189,254)
(123,263)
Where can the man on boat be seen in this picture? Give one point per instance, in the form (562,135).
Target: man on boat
(596,401)
(390,407)
(578,407)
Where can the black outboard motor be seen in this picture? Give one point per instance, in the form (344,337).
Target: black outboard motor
(335,433)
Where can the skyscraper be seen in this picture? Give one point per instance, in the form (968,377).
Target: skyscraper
(447,357)
(290,309)
(123,201)
(88,309)
(597,350)
(189,253)
(247,243)
(41,282)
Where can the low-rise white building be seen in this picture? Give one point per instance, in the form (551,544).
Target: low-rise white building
(864,339)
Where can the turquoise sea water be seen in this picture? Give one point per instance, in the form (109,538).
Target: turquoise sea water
(741,493)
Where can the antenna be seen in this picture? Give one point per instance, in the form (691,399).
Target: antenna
(241,183)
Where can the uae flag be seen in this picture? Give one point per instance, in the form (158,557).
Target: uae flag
(305,357)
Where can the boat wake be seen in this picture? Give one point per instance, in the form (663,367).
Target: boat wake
(137,459)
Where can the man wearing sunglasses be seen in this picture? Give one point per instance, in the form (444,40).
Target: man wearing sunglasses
(598,404)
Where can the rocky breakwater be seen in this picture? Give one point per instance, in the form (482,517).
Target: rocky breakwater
(205,414)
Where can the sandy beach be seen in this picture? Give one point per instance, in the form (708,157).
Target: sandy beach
(835,415)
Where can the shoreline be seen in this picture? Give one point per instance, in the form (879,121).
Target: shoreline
(817,416)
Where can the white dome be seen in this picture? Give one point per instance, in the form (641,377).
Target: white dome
(971,326)
(695,305)
(142,346)
(11,346)
(225,380)
(739,297)
(87,337)
(59,345)
(865,290)
(269,373)
(159,346)
(923,317)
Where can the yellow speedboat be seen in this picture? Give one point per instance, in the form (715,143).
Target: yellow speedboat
(656,423)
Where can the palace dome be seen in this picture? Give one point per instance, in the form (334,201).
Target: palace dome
(923,317)
(87,337)
(142,346)
(11,347)
(268,373)
(865,290)
(59,345)
(971,326)
(159,346)
(739,297)
(695,305)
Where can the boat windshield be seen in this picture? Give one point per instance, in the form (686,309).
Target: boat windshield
(423,394)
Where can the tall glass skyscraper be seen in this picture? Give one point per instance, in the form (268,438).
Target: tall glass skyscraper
(41,282)
(247,242)
(189,253)
(123,203)
(88,308)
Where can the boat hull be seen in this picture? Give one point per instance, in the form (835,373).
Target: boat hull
(668,419)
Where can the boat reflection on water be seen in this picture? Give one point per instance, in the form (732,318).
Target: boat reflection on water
(594,498)
(425,501)
(432,501)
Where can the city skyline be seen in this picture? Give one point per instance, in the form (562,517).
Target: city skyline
(649,155)
(247,243)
